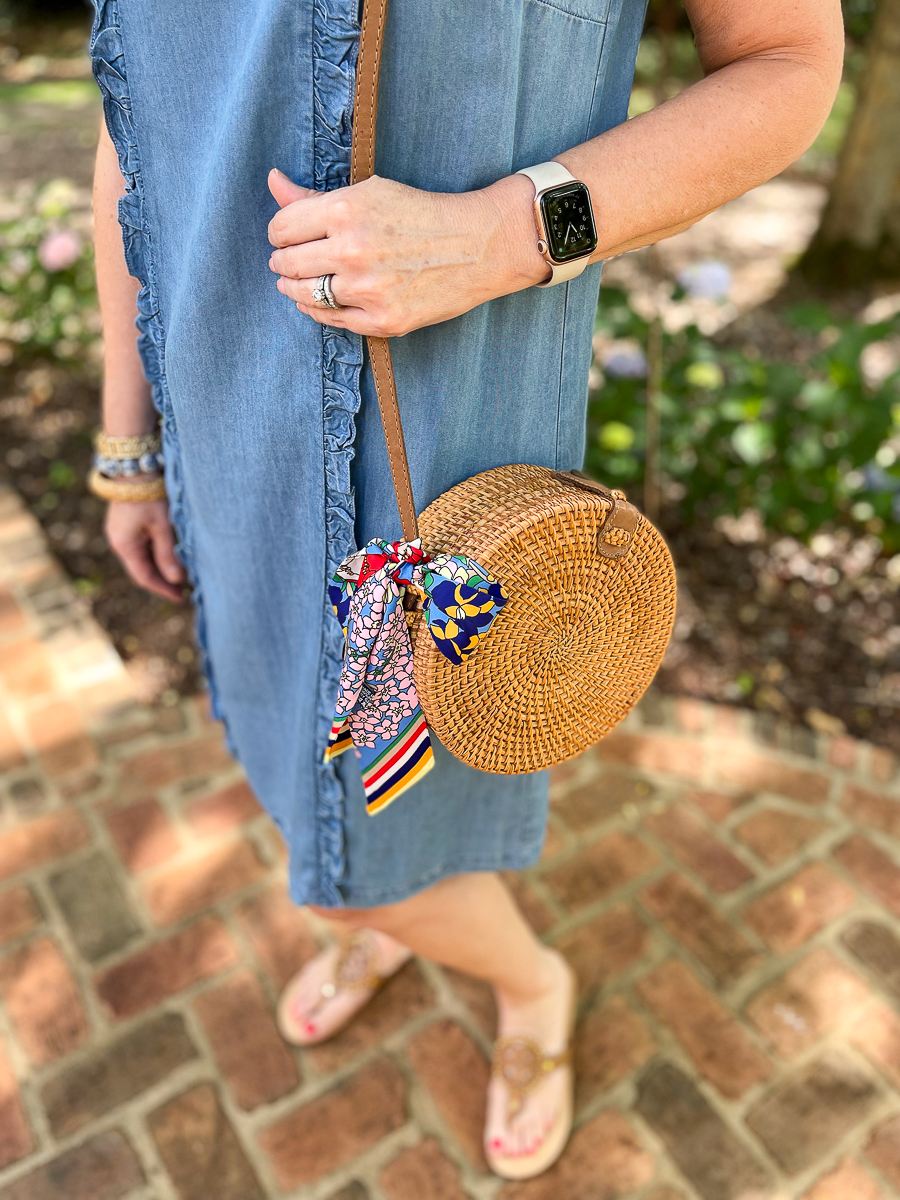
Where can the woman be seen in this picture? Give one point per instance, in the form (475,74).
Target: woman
(265,394)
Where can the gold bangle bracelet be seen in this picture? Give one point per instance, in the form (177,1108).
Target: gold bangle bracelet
(126,447)
(132,490)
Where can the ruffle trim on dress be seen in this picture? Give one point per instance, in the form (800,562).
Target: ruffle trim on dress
(335,44)
(108,61)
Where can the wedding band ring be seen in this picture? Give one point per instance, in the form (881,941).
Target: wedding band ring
(322,293)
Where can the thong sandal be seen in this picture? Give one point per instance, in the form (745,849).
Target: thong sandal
(354,970)
(521,1063)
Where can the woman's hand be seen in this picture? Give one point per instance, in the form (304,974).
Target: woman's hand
(142,538)
(401,257)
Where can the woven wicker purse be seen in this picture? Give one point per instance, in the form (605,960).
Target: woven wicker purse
(590,581)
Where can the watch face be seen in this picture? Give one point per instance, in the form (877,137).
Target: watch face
(569,221)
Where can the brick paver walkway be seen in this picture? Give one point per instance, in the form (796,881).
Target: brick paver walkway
(728,892)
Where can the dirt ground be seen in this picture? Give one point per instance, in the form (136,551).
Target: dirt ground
(810,633)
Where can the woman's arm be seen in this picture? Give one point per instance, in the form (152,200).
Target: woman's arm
(140,534)
(403,258)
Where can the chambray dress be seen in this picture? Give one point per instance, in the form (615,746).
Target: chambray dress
(275,461)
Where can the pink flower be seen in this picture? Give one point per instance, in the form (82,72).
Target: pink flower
(59,250)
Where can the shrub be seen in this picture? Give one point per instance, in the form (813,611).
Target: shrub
(809,443)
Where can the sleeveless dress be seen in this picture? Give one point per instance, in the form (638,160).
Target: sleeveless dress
(276,465)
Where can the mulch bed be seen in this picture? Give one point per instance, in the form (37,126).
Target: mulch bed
(810,635)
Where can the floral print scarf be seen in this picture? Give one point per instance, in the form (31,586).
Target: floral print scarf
(377,709)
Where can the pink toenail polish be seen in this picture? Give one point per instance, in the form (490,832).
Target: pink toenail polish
(309,1027)
(496,1144)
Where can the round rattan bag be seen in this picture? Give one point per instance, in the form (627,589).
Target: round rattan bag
(591,590)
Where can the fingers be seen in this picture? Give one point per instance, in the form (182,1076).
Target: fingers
(133,531)
(302,216)
(307,261)
(285,190)
(301,291)
(162,537)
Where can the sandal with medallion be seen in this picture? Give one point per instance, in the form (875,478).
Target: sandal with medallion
(521,1062)
(355,969)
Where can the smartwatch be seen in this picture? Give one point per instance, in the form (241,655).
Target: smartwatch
(567,236)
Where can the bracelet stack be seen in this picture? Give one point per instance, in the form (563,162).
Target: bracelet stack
(117,463)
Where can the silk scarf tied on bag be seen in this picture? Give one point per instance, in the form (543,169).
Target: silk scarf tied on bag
(377,710)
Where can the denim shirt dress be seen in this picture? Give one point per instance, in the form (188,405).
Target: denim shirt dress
(275,461)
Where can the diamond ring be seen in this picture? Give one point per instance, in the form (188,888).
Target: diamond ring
(322,293)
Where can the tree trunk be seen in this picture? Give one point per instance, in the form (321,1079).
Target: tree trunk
(859,237)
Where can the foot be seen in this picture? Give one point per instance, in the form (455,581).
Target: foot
(544,1017)
(315,1004)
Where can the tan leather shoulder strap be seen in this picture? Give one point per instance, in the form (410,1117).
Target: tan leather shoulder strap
(362,165)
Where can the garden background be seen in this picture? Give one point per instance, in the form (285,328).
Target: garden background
(745,386)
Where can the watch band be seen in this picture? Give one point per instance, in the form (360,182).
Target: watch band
(547,175)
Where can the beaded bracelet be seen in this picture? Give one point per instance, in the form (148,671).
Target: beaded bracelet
(147,464)
(118,460)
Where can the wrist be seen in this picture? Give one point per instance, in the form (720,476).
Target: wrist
(510,200)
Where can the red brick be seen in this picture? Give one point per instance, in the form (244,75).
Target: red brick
(179,891)
(143,835)
(611,1042)
(456,1074)
(877,1033)
(36,842)
(43,1002)
(871,808)
(18,913)
(252,1057)
(882,764)
(802,1118)
(874,869)
(774,835)
(814,997)
(843,752)
(738,767)
(788,915)
(200,1149)
(703,1147)
(712,1037)
(222,811)
(603,1161)
(336,1127)
(115,1072)
(15,1136)
(422,1172)
(848,1181)
(169,764)
(478,997)
(278,933)
(405,996)
(554,842)
(682,757)
(58,735)
(692,715)
(602,796)
(605,946)
(883,1150)
(538,914)
(690,917)
(728,722)
(878,948)
(716,805)
(12,618)
(166,968)
(103,1168)
(26,670)
(600,869)
(12,755)
(689,840)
